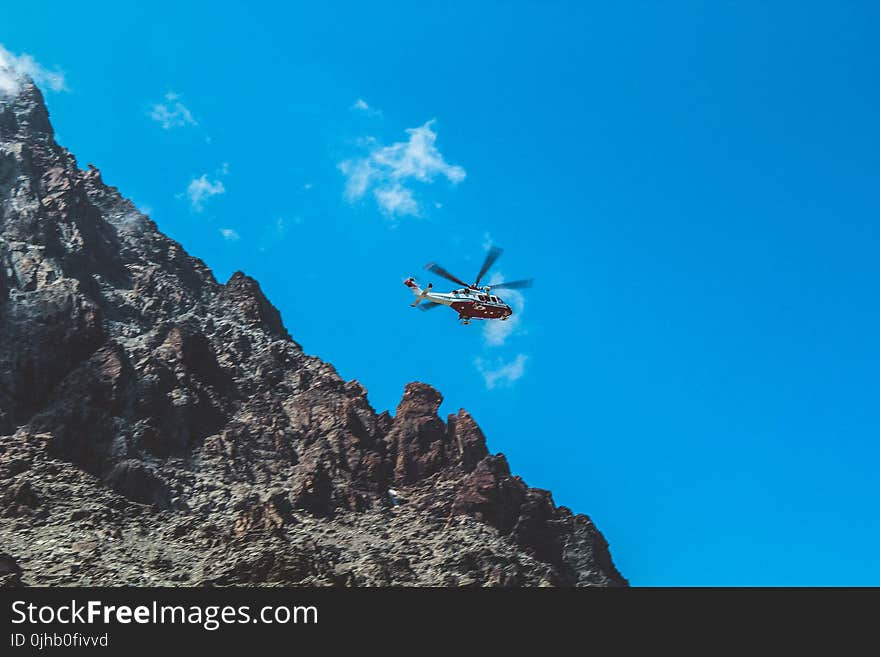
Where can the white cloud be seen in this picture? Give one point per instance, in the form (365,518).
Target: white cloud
(502,374)
(359,174)
(201,189)
(396,200)
(417,158)
(13,69)
(230,235)
(388,171)
(172,113)
(496,332)
(362,106)
(488,243)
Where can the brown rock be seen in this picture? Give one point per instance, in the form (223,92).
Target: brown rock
(468,438)
(314,492)
(490,494)
(243,294)
(140,483)
(418,443)
(271,514)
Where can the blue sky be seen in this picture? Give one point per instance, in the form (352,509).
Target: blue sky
(694,187)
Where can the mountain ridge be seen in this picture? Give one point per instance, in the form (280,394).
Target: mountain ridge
(160,427)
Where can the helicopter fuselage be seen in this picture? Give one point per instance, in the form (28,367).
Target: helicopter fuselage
(469,303)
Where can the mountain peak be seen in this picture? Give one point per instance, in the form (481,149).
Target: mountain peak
(23,111)
(252,306)
(419,399)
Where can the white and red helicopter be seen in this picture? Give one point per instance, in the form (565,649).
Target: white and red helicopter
(473,301)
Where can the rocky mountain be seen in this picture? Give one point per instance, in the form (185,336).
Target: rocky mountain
(158,427)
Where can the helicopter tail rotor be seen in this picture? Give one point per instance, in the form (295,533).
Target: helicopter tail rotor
(421,294)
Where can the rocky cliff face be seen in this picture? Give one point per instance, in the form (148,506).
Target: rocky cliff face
(160,427)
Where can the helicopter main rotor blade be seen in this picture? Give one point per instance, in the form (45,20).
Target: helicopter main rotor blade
(429,305)
(514,285)
(491,257)
(437,269)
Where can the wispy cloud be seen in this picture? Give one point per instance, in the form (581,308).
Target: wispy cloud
(495,333)
(13,69)
(282,225)
(276,231)
(388,171)
(172,113)
(230,235)
(360,105)
(279,228)
(500,373)
(201,189)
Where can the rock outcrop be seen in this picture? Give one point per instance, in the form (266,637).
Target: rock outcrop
(160,427)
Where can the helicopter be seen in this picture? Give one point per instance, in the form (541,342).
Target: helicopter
(472,301)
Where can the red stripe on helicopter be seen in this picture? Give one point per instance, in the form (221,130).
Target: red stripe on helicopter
(476,309)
